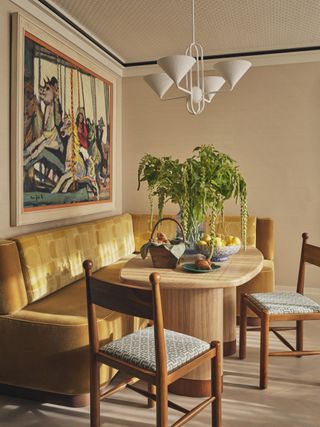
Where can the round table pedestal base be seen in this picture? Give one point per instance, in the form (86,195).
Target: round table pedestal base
(191,388)
(229,347)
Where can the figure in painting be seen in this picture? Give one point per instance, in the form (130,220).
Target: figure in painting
(82,129)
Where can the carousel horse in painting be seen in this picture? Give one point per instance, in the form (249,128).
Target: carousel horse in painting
(79,165)
(49,94)
(51,123)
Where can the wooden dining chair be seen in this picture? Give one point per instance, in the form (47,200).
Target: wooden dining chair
(281,306)
(153,354)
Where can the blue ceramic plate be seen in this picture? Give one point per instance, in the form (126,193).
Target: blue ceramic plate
(191,268)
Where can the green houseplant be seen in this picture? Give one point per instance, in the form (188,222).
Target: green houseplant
(200,185)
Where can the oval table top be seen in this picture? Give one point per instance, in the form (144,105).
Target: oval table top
(238,269)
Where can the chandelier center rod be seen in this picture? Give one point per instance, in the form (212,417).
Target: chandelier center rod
(193,24)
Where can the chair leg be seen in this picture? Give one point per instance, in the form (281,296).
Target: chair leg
(162,404)
(216,387)
(243,328)
(94,393)
(264,351)
(151,389)
(299,336)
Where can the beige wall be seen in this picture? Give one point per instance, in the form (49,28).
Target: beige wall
(6,230)
(270,124)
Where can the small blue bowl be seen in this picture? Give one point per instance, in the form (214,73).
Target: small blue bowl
(222,253)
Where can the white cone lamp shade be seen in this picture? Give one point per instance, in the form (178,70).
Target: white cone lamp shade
(212,84)
(176,66)
(232,71)
(160,83)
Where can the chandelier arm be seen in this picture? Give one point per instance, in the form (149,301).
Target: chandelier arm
(184,90)
(175,97)
(218,91)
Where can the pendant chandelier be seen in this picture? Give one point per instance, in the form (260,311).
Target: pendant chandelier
(187,73)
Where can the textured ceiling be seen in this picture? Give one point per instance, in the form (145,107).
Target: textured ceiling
(144,30)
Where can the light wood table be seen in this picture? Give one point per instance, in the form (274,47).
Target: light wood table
(202,305)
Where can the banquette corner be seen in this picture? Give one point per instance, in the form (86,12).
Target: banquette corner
(43,314)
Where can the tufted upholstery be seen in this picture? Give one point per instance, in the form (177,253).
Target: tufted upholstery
(53,259)
(13,295)
(284,303)
(139,349)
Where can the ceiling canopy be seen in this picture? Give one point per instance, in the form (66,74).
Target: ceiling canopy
(144,30)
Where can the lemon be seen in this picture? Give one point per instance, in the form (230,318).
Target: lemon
(236,241)
(218,243)
(206,238)
(202,243)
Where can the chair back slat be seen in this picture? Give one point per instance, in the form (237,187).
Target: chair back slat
(121,298)
(312,254)
(309,254)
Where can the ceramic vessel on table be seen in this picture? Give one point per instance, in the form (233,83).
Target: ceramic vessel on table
(220,253)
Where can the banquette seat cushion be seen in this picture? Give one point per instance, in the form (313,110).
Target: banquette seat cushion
(43,317)
(44,346)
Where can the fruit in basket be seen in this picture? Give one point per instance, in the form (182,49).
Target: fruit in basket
(207,238)
(218,242)
(233,241)
(160,239)
(229,240)
(236,241)
(223,247)
(202,243)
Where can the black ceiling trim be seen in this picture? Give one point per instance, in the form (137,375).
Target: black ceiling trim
(80,30)
(153,62)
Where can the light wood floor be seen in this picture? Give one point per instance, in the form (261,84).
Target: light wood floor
(292,398)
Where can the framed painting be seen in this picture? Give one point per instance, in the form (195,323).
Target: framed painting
(62,128)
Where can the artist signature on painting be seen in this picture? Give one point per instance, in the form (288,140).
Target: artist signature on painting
(36,197)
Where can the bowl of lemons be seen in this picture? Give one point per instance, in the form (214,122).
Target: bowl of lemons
(224,246)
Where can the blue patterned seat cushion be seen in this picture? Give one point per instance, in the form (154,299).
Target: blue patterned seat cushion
(284,303)
(139,349)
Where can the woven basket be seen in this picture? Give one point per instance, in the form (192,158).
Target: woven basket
(161,257)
